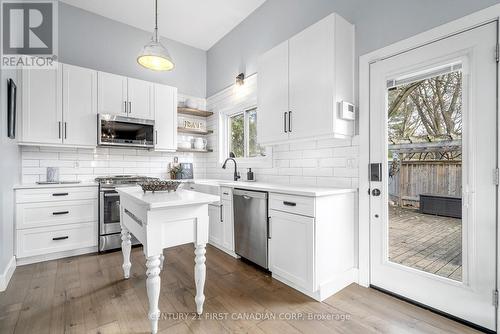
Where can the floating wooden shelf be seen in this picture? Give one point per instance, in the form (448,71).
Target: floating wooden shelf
(194,132)
(194,112)
(194,150)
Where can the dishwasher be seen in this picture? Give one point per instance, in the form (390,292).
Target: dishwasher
(251,225)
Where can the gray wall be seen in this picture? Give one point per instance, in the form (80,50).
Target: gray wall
(10,174)
(94,41)
(378,24)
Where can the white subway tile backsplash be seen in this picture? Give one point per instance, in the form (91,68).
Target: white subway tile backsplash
(290,171)
(304,163)
(318,153)
(300,146)
(318,171)
(87,164)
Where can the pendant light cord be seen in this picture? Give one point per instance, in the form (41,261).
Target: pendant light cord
(156,21)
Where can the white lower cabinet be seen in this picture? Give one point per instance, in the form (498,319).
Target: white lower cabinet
(221,227)
(291,247)
(55,222)
(215,226)
(311,244)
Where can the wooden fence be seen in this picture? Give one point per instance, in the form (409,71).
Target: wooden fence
(425,177)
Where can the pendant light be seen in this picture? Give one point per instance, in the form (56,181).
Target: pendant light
(154,55)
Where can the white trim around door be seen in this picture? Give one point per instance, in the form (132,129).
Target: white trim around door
(468,22)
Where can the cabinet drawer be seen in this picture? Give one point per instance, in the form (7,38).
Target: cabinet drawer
(30,215)
(226,194)
(293,204)
(45,240)
(55,194)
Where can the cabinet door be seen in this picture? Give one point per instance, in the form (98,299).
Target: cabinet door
(165,107)
(312,90)
(140,99)
(291,248)
(79,106)
(41,112)
(215,225)
(272,95)
(112,94)
(228,225)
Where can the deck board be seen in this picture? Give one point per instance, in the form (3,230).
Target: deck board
(426,242)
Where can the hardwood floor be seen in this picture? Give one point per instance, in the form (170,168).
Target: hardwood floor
(87,294)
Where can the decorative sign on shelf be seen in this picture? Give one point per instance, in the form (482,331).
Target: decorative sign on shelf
(192,124)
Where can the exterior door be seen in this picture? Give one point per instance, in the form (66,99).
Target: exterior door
(273,95)
(41,117)
(79,106)
(140,99)
(433,149)
(112,94)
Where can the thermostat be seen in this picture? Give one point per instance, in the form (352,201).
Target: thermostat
(347,111)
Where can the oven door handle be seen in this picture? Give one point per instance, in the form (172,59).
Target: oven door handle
(111,195)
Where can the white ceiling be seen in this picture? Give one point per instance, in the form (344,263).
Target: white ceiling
(199,23)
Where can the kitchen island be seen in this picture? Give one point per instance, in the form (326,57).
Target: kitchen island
(161,220)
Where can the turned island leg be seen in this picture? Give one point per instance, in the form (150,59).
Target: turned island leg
(162,259)
(153,290)
(199,276)
(126,247)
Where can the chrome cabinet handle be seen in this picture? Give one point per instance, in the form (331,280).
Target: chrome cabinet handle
(60,213)
(289,203)
(60,238)
(269,236)
(284,122)
(290,121)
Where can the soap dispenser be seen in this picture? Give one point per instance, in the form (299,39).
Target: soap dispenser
(250,175)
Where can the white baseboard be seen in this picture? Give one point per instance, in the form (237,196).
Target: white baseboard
(341,281)
(6,275)
(54,256)
(228,252)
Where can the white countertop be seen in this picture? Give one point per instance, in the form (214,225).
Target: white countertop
(55,185)
(162,199)
(288,189)
(310,191)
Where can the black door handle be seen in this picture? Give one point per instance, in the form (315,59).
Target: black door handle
(376,192)
(60,194)
(289,203)
(60,213)
(60,238)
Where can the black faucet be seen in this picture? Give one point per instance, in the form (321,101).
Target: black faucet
(231,157)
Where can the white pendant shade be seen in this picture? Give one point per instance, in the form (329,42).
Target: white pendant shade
(154,55)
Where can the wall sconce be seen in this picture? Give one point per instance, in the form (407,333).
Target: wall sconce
(240,79)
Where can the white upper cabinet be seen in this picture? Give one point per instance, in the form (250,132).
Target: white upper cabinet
(119,95)
(41,106)
(273,95)
(79,106)
(165,111)
(318,75)
(140,99)
(112,94)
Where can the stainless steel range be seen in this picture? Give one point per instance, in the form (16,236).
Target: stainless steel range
(109,209)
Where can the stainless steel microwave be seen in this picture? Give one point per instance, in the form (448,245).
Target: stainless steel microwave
(113,130)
